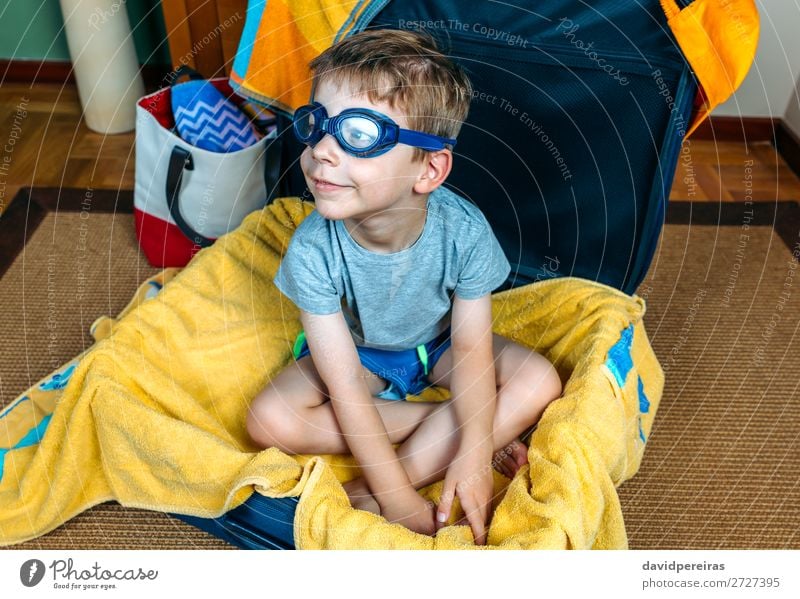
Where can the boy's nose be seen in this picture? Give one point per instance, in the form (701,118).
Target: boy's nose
(327,150)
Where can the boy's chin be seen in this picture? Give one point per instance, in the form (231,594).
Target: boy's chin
(331,208)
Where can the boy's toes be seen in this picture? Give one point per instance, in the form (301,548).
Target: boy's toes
(509,459)
(519,452)
(502,465)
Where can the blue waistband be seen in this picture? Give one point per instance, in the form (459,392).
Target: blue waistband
(406,370)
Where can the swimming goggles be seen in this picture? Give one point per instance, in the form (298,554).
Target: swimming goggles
(360,132)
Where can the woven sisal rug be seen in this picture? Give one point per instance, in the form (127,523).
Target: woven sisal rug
(722,465)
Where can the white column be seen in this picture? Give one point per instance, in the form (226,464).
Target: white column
(105,64)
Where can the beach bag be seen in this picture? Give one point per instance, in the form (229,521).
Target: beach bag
(186,196)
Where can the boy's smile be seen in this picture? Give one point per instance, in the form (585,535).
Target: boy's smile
(322,186)
(382,199)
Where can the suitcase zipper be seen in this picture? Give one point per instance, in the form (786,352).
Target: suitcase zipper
(548,53)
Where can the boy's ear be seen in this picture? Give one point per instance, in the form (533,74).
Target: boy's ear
(436,168)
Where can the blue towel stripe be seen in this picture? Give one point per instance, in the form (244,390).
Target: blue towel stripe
(619,360)
(347,22)
(255,10)
(32,437)
(153,289)
(644,408)
(644,403)
(59,380)
(368,15)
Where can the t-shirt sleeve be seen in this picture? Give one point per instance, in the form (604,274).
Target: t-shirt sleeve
(308,273)
(485,266)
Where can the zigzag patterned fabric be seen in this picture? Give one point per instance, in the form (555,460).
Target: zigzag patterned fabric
(207,120)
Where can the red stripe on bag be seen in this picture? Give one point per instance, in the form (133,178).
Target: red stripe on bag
(162,242)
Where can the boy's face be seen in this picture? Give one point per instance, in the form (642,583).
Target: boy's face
(347,187)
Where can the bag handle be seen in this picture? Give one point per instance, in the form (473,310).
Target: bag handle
(181,160)
(272,167)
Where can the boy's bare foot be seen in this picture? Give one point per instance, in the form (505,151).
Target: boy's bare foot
(360,496)
(511,458)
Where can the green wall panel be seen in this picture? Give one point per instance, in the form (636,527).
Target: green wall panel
(34,30)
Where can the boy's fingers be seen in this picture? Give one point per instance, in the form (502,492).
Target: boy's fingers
(476,522)
(476,516)
(445,505)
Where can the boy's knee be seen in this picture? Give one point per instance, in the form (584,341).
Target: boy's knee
(267,424)
(551,387)
(536,386)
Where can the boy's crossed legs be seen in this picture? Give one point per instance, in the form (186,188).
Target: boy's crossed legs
(295,415)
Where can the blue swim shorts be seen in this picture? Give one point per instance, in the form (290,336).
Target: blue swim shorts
(406,370)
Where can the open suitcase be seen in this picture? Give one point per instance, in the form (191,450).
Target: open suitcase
(569,149)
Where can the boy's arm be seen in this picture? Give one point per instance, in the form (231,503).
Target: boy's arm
(473,389)
(336,360)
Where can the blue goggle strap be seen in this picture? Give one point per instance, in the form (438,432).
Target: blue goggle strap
(426,141)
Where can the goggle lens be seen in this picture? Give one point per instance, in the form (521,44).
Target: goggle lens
(359,133)
(304,124)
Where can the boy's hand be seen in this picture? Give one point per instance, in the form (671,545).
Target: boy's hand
(469,477)
(410,510)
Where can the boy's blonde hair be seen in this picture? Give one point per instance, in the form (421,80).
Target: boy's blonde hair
(404,69)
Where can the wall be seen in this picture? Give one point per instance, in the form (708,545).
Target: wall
(33,30)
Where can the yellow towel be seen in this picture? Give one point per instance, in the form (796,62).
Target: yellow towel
(153,414)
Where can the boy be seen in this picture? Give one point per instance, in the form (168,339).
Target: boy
(393,275)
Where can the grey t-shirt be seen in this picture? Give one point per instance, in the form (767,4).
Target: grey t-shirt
(398,300)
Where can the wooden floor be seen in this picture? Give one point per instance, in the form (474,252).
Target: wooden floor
(50,146)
